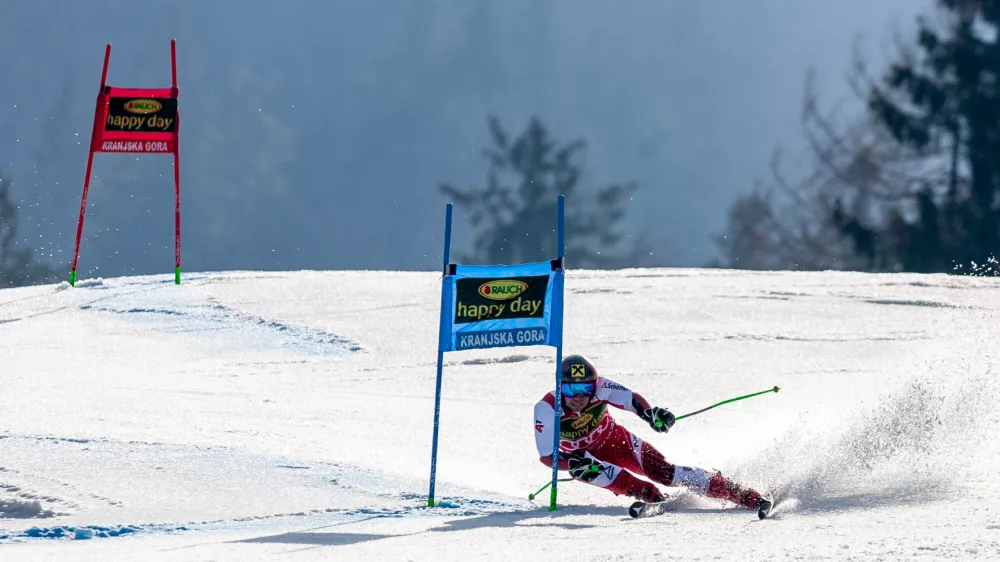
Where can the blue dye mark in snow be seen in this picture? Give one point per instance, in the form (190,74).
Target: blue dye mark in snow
(84,532)
(471,507)
(48,438)
(165,311)
(155,311)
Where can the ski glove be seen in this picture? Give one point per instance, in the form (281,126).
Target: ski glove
(584,468)
(660,419)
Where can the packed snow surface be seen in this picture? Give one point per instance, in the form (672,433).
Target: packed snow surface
(288,416)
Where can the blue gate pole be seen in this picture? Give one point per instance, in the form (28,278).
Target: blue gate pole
(440,359)
(559,350)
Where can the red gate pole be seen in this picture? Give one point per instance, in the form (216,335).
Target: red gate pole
(177,212)
(79,225)
(177,168)
(90,162)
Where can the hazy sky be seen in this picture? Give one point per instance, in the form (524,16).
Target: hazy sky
(315,133)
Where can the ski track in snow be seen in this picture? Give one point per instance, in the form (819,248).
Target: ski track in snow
(455,506)
(212,317)
(197,463)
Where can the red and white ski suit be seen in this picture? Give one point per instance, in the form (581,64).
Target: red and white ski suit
(594,431)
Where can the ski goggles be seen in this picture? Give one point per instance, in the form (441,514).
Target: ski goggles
(571,389)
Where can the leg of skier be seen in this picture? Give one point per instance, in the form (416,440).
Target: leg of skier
(698,480)
(638,456)
(618,481)
(620,478)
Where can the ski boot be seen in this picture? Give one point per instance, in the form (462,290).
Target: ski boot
(764,506)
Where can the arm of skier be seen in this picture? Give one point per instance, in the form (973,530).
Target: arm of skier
(619,396)
(544,415)
(660,419)
(563,461)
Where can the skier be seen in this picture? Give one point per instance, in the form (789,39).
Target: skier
(598,451)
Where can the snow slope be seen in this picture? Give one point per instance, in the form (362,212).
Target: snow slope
(263,416)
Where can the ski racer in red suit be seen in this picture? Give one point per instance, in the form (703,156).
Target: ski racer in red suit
(598,451)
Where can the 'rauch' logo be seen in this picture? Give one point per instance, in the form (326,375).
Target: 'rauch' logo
(503,289)
(142,107)
(582,421)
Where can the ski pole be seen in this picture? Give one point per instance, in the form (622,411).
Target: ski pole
(590,468)
(775,389)
(660,424)
(547,484)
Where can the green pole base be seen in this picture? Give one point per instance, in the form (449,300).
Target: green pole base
(72,278)
(430,502)
(177,275)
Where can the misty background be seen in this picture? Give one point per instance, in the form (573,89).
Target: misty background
(316,134)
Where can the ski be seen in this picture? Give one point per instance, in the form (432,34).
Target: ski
(649,509)
(641,509)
